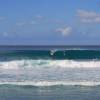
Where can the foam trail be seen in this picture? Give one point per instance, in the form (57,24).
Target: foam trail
(47,83)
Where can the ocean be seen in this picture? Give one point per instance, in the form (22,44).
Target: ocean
(49,72)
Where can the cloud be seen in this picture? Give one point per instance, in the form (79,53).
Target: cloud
(64,31)
(88,16)
(20,24)
(2,18)
(39,17)
(5,34)
(33,22)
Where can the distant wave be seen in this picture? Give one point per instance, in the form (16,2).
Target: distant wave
(25,63)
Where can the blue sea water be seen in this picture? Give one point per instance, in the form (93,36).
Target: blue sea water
(53,72)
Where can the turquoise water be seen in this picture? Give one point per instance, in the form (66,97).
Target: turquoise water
(45,74)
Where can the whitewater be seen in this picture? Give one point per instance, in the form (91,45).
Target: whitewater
(50,72)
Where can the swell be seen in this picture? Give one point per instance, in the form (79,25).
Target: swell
(50,54)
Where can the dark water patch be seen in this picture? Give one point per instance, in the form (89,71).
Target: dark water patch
(47,54)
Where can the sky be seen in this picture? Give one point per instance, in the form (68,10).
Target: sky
(49,22)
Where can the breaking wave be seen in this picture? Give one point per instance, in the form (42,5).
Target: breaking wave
(25,63)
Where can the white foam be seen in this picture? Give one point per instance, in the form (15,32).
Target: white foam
(47,83)
(16,64)
(53,51)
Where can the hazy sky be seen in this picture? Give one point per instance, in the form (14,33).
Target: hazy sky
(49,22)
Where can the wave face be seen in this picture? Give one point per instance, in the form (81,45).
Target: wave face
(50,54)
(50,67)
